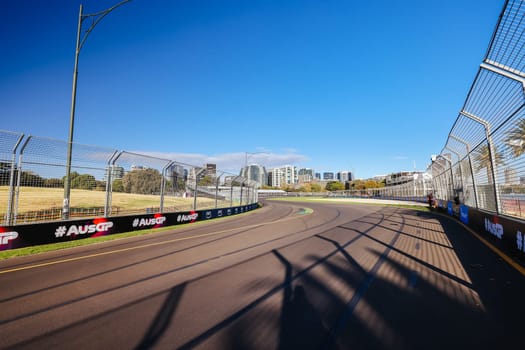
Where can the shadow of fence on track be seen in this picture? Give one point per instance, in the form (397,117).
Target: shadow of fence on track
(400,301)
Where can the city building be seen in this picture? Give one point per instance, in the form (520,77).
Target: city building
(328,176)
(379,178)
(401,177)
(285,175)
(255,173)
(137,167)
(306,175)
(344,176)
(511,176)
(211,169)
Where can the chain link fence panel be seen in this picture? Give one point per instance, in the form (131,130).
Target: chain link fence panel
(105,182)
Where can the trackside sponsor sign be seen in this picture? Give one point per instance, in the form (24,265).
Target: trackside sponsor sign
(463,213)
(94,229)
(7,238)
(158,220)
(60,231)
(184,218)
(504,232)
(494,228)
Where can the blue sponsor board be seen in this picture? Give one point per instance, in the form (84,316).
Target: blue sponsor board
(19,236)
(450,208)
(463,213)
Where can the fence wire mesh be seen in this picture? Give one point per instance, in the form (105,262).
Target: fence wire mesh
(482,163)
(486,145)
(104,182)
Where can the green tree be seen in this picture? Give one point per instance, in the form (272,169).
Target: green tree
(29,178)
(118,186)
(5,172)
(334,186)
(100,185)
(206,181)
(315,187)
(144,181)
(482,160)
(373,184)
(83,182)
(357,185)
(515,138)
(54,183)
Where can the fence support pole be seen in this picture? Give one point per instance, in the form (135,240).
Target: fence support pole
(109,184)
(163,185)
(217,190)
(19,177)
(492,155)
(197,174)
(467,147)
(11,196)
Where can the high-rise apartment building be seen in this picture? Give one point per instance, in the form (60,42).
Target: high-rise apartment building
(285,175)
(305,175)
(328,176)
(344,176)
(255,173)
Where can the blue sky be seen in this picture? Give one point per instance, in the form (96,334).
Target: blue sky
(368,86)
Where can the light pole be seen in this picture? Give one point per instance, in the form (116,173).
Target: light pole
(95,17)
(250,153)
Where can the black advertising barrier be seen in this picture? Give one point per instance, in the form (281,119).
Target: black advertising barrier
(18,236)
(504,232)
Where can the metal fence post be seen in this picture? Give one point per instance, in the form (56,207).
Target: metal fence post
(19,177)
(163,185)
(450,184)
(197,174)
(492,155)
(242,185)
(217,179)
(11,195)
(467,148)
(109,183)
(459,165)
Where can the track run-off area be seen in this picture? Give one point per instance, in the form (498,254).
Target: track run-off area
(290,275)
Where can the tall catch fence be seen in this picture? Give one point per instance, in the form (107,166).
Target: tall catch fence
(483,161)
(416,189)
(105,182)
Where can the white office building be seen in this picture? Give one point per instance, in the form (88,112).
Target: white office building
(285,175)
(344,176)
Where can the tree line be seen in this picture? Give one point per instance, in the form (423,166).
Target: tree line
(145,181)
(331,186)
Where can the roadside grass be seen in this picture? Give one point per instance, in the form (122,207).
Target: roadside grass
(76,243)
(89,241)
(35,198)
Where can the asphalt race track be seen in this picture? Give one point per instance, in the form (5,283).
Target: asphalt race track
(338,276)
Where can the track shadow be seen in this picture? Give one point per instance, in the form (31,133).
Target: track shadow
(300,323)
(400,301)
(433,309)
(163,318)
